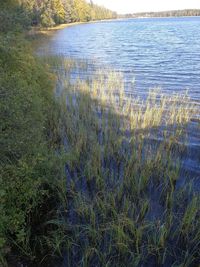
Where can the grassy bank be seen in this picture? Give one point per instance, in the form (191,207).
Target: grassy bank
(29,165)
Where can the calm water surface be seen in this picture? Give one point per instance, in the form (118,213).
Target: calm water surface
(157,52)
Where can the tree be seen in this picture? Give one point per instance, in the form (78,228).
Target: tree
(58,11)
(70,11)
(47,13)
(46,17)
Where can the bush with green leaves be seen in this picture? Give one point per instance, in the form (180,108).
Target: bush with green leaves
(29,165)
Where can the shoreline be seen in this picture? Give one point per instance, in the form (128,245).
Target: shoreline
(41,30)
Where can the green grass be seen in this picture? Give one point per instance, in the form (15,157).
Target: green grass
(123,207)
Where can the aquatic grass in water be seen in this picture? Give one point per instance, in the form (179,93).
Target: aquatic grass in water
(123,161)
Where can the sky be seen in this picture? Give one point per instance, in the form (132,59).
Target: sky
(133,6)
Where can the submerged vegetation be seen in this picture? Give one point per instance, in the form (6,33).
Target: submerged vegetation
(90,175)
(124,205)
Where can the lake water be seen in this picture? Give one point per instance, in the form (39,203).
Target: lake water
(155,52)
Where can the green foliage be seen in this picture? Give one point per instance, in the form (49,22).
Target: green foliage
(59,11)
(29,167)
(47,13)
(46,19)
(13,18)
(82,10)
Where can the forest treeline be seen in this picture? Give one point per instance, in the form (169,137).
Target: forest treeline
(48,13)
(170,13)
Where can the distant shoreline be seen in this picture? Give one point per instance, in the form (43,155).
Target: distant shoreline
(166,17)
(163,14)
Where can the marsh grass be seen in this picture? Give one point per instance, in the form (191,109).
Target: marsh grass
(122,161)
